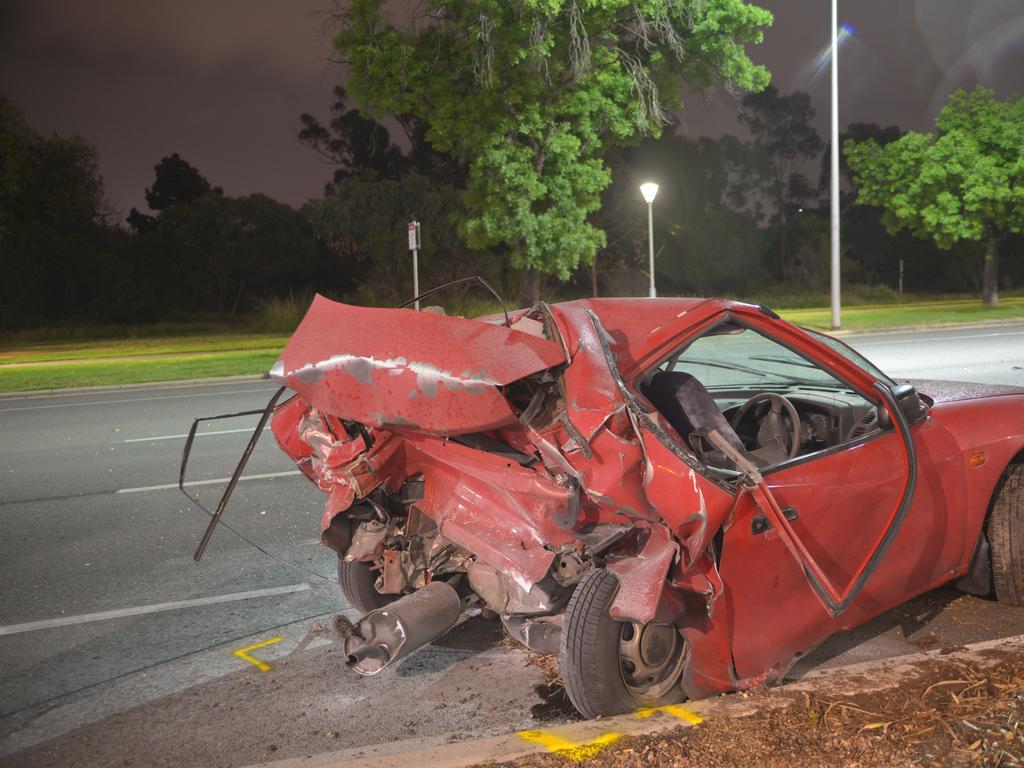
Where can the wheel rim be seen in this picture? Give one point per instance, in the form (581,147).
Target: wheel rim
(651,659)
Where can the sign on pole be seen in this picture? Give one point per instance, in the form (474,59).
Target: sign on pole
(414,246)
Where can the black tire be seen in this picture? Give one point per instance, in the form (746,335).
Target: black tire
(589,654)
(1006,537)
(357,586)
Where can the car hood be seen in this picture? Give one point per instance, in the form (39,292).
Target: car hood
(948,391)
(403,369)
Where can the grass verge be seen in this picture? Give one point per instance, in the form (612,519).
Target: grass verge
(135,371)
(30,364)
(864,318)
(133,347)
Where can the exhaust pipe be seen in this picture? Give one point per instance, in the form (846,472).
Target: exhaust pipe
(385,635)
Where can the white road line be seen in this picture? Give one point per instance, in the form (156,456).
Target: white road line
(215,481)
(133,399)
(182,437)
(865,340)
(63,621)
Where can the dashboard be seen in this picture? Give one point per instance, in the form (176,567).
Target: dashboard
(827,417)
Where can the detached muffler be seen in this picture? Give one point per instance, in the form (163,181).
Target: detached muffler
(388,634)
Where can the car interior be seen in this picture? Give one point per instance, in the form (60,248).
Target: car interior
(763,399)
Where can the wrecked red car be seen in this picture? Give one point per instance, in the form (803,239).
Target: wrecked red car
(678,496)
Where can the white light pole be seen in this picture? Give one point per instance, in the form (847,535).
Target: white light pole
(835,171)
(650,191)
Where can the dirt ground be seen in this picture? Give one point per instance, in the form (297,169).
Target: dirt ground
(947,713)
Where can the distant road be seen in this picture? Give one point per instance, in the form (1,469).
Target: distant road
(990,355)
(103,608)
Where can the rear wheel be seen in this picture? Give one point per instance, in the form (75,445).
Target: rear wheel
(1006,537)
(609,666)
(357,580)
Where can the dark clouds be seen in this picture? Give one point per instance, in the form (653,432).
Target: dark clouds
(223,82)
(903,60)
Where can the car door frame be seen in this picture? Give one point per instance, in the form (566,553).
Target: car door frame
(846,372)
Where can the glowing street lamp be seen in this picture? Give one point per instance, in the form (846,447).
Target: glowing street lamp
(650,191)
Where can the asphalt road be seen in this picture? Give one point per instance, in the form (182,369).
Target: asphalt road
(90,523)
(988,354)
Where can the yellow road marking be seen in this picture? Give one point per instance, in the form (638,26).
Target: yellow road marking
(672,709)
(243,653)
(575,751)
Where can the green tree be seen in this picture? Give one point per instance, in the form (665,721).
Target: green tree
(532,93)
(785,139)
(223,254)
(353,143)
(56,248)
(177,181)
(359,146)
(16,148)
(363,225)
(964,182)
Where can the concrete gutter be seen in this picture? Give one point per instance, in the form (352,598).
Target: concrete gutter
(577,741)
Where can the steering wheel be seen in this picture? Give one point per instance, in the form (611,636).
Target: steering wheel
(771,425)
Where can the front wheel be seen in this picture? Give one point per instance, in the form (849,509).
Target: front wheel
(358,586)
(1006,537)
(610,667)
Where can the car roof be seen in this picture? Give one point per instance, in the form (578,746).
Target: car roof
(631,320)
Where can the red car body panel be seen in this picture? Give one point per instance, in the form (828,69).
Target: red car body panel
(605,457)
(417,370)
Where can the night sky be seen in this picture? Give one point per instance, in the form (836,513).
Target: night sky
(223,82)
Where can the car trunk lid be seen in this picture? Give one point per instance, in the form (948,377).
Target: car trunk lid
(403,369)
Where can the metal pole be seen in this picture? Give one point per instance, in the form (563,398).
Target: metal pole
(650,240)
(416,276)
(901,277)
(835,172)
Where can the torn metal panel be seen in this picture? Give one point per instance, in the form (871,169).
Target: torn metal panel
(642,576)
(693,507)
(503,512)
(397,368)
(590,388)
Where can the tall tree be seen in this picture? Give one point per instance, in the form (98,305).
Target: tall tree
(532,93)
(358,146)
(363,226)
(853,132)
(53,221)
(355,144)
(177,181)
(223,254)
(782,132)
(964,182)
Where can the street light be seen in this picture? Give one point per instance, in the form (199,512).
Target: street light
(834,191)
(650,191)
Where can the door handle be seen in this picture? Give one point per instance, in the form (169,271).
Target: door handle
(759,524)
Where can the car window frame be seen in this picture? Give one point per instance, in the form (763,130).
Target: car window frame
(727,316)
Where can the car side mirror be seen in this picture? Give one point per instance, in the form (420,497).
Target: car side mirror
(909,402)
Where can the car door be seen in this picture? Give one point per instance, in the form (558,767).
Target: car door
(839,504)
(849,519)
